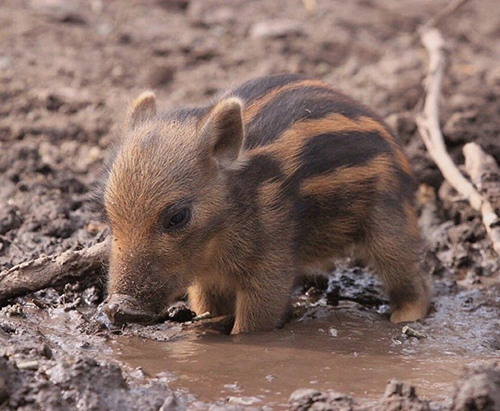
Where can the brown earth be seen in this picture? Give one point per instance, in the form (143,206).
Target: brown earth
(69,68)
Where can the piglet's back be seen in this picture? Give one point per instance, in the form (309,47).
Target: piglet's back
(333,157)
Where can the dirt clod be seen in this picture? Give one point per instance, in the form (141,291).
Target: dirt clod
(309,399)
(401,396)
(478,389)
(180,313)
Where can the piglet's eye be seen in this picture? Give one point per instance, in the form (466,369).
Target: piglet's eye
(177,220)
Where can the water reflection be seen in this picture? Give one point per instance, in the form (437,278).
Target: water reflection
(347,350)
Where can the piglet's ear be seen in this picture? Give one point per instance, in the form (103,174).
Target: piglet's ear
(143,108)
(222,131)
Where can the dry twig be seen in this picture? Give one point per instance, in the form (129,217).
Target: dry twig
(48,271)
(480,165)
(428,125)
(447,11)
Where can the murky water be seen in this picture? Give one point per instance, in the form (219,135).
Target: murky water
(345,349)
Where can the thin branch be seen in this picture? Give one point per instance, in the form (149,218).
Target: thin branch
(47,271)
(446,12)
(480,165)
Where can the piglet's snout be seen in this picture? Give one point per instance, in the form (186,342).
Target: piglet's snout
(122,308)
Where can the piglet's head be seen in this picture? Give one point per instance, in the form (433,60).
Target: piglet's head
(164,197)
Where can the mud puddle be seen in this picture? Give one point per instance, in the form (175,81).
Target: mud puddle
(342,348)
(333,342)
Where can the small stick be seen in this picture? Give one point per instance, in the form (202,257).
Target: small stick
(203,316)
(429,128)
(47,271)
(447,11)
(479,165)
(410,332)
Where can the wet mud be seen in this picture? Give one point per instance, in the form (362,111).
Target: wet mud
(348,347)
(55,340)
(68,69)
(357,358)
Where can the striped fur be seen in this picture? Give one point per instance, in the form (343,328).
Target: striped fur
(282,174)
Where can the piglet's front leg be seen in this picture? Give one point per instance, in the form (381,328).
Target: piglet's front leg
(263,306)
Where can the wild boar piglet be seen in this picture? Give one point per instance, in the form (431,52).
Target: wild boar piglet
(233,201)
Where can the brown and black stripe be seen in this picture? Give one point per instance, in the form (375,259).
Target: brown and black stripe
(333,157)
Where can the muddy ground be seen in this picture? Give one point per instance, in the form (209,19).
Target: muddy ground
(69,68)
